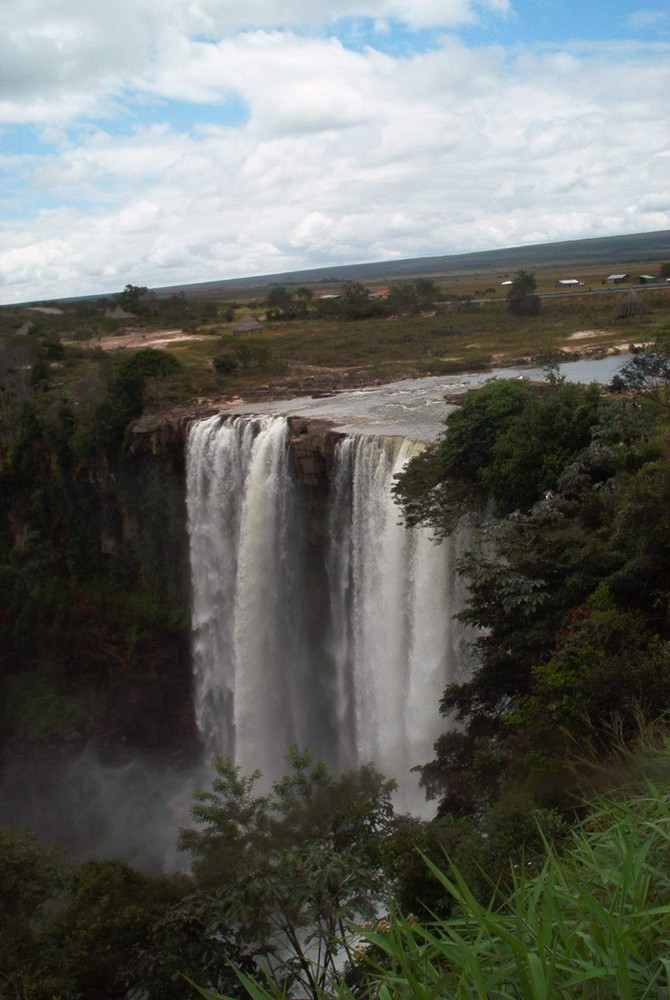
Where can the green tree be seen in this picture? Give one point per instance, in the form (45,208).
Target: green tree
(649,368)
(246,355)
(403,298)
(191,940)
(521,297)
(225,363)
(284,874)
(591,921)
(579,486)
(283,304)
(608,668)
(355,302)
(89,947)
(507,444)
(125,397)
(444,482)
(427,292)
(149,362)
(412,296)
(528,458)
(134,298)
(279,302)
(18,362)
(30,878)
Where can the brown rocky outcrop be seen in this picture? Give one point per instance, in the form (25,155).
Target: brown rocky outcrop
(164,431)
(312,444)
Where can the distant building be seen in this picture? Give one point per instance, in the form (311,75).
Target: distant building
(569,281)
(380,293)
(644,278)
(248,324)
(616,279)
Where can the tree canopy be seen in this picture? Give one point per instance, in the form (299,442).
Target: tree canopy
(284,874)
(507,445)
(521,297)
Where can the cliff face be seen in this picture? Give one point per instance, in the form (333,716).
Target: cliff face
(151,699)
(94,605)
(96,701)
(312,443)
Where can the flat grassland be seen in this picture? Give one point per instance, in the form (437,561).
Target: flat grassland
(469,328)
(469,331)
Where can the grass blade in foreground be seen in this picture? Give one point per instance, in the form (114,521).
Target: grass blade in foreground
(593,923)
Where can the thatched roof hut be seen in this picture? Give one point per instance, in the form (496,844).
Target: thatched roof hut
(248,324)
(632,305)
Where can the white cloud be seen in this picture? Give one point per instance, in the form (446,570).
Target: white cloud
(78,58)
(343,156)
(648,17)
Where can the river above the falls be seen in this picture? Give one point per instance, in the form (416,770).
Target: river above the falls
(416,408)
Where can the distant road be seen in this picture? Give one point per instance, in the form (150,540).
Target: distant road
(609,290)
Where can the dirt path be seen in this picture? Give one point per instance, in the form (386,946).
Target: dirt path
(135,339)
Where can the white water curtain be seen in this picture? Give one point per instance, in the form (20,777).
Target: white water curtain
(366,685)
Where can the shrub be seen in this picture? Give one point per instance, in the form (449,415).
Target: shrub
(590,922)
(225,363)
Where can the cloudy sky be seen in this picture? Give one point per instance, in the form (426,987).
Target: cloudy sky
(167,141)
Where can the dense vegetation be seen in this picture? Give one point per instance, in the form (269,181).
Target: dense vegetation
(521,298)
(588,922)
(90,592)
(569,587)
(299,893)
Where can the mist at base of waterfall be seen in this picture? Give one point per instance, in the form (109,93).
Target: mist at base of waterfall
(91,809)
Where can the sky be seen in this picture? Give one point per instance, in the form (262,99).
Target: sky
(163,142)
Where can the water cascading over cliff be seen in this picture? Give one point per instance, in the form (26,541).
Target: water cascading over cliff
(341,638)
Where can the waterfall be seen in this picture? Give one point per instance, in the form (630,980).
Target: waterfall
(246,564)
(393,595)
(345,649)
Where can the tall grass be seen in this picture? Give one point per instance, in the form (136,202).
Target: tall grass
(593,922)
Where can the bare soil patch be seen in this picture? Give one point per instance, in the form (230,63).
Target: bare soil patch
(132,339)
(586,334)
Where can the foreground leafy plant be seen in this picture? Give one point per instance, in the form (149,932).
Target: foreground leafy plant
(31,878)
(592,922)
(281,877)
